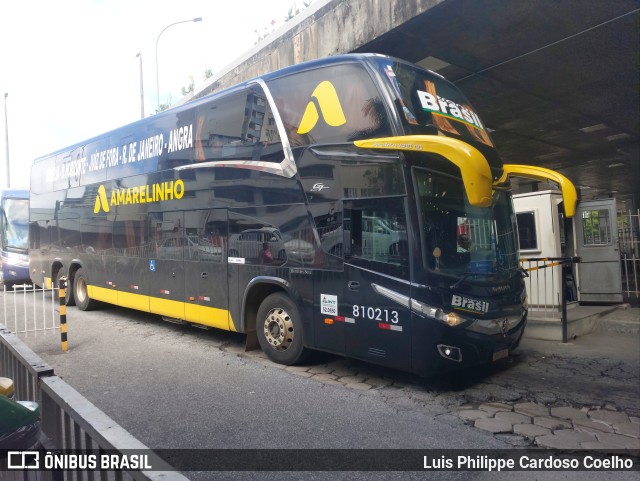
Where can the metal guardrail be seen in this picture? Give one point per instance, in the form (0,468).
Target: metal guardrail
(68,420)
(551,291)
(27,308)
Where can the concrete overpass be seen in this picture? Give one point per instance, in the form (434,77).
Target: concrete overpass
(556,82)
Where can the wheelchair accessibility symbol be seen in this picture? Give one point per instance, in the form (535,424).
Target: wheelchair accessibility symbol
(152,265)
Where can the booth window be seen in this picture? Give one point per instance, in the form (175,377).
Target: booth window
(596,227)
(527,230)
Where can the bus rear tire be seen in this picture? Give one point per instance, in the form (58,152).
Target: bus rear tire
(81,293)
(279,330)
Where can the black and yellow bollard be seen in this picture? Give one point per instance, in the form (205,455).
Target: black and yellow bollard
(63,312)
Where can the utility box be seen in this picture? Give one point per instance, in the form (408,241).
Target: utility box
(541,230)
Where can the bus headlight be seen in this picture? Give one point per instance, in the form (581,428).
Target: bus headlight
(450,318)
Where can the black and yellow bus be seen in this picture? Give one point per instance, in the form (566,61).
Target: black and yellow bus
(354,204)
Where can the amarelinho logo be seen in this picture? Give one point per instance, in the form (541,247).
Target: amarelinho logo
(326,98)
(142,194)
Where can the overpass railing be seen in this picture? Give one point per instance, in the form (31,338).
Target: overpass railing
(69,421)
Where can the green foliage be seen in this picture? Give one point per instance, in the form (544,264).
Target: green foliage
(189,88)
(164,106)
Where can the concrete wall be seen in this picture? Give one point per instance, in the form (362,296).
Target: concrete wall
(327,27)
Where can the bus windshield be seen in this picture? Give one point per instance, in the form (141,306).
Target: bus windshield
(429,105)
(15,224)
(459,239)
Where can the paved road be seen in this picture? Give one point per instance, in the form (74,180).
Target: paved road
(179,387)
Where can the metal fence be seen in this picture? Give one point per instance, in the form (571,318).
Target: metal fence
(69,421)
(549,280)
(629,240)
(550,287)
(26,308)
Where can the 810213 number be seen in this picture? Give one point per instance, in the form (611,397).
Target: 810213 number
(376,314)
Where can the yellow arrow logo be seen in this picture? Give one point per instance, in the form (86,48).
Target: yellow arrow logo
(326,97)
(101,201)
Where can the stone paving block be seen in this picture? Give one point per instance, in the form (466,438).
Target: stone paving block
(565,439)
(333,383)
(551,422)
(494,425)
(361,386)
(627,429)
(474,414)
(351,379)
(513,439)
(618,440)
(530,430)
(341,372)
(602,447)
(609,417)
(323,377)
(567,412)
(378,381)
(634,419)
(320,370)
(589,426)
(531,409)
(513,418)
(495,407)
(296,368)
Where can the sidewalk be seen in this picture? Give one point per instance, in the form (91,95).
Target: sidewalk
(583,320)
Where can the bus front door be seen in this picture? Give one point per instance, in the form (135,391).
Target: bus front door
(376,289)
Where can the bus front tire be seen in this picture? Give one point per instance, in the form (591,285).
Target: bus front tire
(279,330)
(81,293)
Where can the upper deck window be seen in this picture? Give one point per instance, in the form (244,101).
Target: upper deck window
(240,126)
(330,105)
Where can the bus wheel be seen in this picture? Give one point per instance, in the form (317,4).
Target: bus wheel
(81,293)
(279,330)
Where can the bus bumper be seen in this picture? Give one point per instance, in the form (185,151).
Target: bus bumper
(457,349)
(15,270)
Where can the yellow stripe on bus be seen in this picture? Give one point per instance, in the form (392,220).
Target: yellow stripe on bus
(207,316)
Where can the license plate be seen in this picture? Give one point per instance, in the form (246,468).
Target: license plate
(500,354)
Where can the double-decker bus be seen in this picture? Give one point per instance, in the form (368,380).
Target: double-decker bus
(14,230)
(354,204)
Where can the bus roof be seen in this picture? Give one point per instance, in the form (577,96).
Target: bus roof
(311,64)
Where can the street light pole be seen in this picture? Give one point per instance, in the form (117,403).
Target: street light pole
(6,129)
(197,19)
(141,88)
